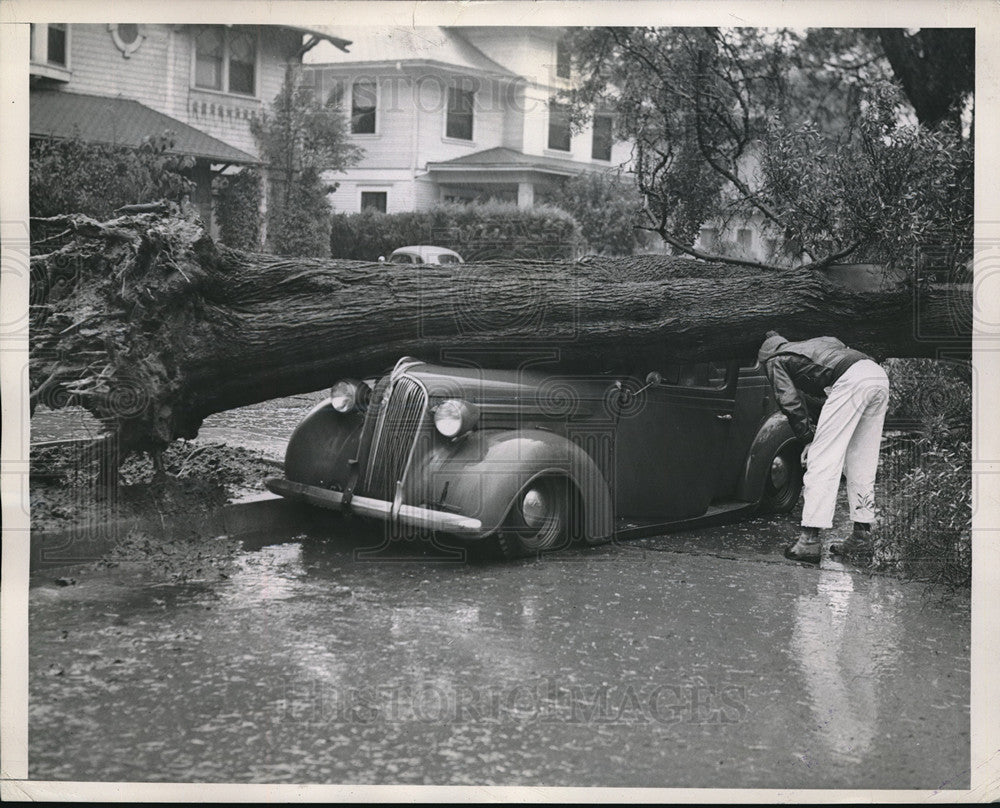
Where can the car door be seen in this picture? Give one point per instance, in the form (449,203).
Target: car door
(669,446)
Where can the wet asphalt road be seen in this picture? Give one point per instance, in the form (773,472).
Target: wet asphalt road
(698,659)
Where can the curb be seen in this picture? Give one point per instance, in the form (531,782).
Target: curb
(87,542)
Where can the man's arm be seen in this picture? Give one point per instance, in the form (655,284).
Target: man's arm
(790,401)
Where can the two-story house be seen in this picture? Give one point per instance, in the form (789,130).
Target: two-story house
(456,114)
(119,83)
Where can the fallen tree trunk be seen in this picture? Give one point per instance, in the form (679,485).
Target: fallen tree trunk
(151,326)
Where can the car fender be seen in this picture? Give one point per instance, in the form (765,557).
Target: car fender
(482,474)
(774,435)
(321,446)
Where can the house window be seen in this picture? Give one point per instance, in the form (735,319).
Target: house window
(459,123)
(128,32)
(50,44)
(601,145)
(209,50)
(57,44)
(559,133)
(710,239)
(126,36)
(364,97)
(335,98)
(242,63)
(226,60)
(562,58)
(744,238)
(374,200)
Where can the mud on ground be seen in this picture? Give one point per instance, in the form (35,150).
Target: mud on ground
(198,477)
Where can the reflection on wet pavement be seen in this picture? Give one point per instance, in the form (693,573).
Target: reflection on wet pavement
(638,664)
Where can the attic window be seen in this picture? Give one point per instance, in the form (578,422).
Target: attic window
(126,36)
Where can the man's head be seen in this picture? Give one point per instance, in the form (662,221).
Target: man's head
(771,345)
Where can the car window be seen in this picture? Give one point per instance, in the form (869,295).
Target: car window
(417,259)
(447,259)
(696,374)
(717,374)
(401,258)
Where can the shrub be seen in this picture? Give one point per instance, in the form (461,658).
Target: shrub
(237,210)
(607,209)
(74,176)
(926,526)
(301,226)
(479,232)
(925,476)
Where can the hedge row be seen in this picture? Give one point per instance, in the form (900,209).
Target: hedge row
(478,232)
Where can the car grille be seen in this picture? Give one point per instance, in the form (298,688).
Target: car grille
(396,432)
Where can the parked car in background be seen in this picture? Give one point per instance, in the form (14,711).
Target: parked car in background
(529,461)
(423,254)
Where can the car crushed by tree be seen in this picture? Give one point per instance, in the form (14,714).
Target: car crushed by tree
(524,462)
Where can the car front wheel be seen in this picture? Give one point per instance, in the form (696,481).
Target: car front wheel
(539,520)
(784,481)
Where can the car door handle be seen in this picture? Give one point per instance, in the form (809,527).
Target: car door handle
(724,416)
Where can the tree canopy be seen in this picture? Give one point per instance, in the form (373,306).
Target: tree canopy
(833,141)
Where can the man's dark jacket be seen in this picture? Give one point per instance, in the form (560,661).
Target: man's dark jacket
(802,370)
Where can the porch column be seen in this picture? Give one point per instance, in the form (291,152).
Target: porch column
(525,194)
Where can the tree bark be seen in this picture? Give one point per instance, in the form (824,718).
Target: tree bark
(151,326)
(935,66)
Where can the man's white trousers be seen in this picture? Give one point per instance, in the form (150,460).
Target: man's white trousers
(848,438)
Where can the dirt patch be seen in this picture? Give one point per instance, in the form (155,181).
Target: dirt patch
(197,478)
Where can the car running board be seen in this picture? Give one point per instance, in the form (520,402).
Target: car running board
(718,513)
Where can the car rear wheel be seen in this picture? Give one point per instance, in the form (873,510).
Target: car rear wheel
(784,481)
(540,519)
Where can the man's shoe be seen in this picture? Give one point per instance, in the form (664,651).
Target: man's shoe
(802,550)
(853,545)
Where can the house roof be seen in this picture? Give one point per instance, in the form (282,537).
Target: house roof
(122,122)
(504,159)
(424,45)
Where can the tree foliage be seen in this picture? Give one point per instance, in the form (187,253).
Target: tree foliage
(300,138)
(811,135)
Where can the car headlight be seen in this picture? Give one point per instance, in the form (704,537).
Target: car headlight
(455,417)
(348,395)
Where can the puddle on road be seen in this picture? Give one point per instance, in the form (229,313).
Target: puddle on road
(620,666)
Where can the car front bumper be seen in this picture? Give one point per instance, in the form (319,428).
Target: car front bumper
(377,508)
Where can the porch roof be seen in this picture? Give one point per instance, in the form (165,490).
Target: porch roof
(122,122)
(501,159)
